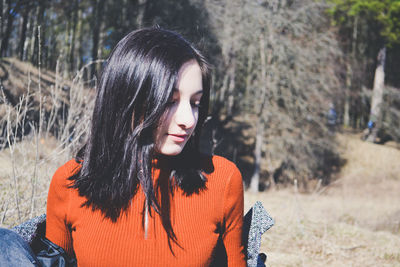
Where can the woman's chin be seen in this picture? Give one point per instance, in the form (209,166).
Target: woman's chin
(171,150)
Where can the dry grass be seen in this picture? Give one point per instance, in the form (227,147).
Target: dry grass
(32,178)
(353,222)
(53,117)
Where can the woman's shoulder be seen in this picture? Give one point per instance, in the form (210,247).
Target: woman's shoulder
(64,172)
(226,180)
(59,190)
(221,162)
(223,169)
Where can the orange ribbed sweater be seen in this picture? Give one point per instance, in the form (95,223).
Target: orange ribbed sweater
(195,219)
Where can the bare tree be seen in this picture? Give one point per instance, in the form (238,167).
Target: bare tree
(288,83)
(24,27)
(377,95)
(40,23)
(11,12)
(97,18)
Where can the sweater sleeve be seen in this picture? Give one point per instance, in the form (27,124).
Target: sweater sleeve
(57,229)
(233,217)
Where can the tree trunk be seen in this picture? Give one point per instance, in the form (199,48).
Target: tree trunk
(223,92)
(227,90)
(231,89)
(11,13)
(98,7)
(22,39)
(51,46)
(102,40)
(124,16)
(223,89)
(141,9)
(73,35)
(44,51)
(1,19)
(377,95)
(29,41)
(66,46)
(36,43)
(346,115)
(255,178)
(349,75)
(79,46)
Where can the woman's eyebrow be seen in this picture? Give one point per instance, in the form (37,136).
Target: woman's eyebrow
(199,92)
(176,90)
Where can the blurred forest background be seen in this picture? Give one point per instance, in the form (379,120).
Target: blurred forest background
(290,77)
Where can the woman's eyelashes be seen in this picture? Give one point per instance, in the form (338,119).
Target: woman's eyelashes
(193,103)
(172,102)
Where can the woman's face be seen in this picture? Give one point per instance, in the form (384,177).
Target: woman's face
(181,115)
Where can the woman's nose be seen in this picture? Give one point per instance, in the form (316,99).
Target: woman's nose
(185,116)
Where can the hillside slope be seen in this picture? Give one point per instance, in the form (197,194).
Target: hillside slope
(18,77)
(353,222)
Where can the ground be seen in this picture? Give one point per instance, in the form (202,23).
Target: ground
(355,221)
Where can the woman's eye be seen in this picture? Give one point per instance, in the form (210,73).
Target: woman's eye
(196,104)
(171,102)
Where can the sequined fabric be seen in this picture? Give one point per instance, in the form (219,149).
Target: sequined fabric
(30,229)
(256,222)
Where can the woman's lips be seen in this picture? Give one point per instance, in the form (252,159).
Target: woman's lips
(179,138)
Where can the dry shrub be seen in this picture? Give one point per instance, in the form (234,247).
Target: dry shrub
(40,131)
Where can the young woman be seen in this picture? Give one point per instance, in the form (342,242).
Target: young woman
(140,193)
